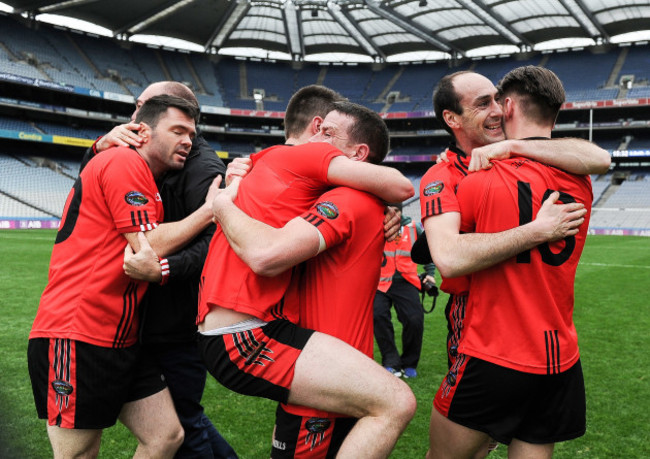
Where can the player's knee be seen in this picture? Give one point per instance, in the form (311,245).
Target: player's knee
(405,404)
(177,438)
(168,443)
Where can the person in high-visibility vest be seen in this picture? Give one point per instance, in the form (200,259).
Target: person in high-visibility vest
(399,286)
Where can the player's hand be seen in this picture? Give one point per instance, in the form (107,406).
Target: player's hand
(482,157)
(238,167)
(442,157)
(144,264)
(213,191)
(559,221)
(392,223)
(124,135)
(429,278)
(225,197)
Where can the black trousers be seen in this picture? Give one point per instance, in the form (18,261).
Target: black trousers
(406,300)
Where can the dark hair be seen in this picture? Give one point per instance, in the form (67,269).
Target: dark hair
(368,128)
(156,106)
(539,90)
(446,98)
(305,104)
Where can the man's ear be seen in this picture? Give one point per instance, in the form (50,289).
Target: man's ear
(508,108)
(361,152)
(145,132)
(451,118)
(315,125)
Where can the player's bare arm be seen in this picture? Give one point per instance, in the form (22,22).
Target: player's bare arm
(144,264)
(386,183)
(577,156)
(456,254)
(268,251)
(169,238)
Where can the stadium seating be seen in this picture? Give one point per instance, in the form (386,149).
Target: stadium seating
(126,68)
(609,218)
(14,124)
(594,69)
(637,63)
(630,194)
(91,62)
(40,187)
(496,68)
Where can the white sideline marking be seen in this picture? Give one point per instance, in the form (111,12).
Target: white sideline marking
(614,265)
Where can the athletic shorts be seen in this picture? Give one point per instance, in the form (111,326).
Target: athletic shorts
(507,404)
(455,314)
(259,361)
(308,437)
(78,385)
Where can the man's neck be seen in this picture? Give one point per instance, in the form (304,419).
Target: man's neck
(300,139)
(152,166)
(525,129)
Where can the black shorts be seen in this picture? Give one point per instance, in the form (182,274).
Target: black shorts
(258,362)
(297,436)
(507,404)
(77,385)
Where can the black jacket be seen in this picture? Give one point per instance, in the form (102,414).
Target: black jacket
(169,311)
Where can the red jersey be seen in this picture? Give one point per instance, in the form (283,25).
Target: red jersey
(438,196)
(336,289)
(520,311)
(283,183)
(88,297)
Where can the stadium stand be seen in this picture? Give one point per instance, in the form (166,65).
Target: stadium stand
(34,185)
(96,63)
(13,124)
(496,68)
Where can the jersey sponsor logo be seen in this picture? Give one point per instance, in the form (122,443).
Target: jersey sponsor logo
(327,209)
(62,388)
(135,198)
(433,188)
(316,428)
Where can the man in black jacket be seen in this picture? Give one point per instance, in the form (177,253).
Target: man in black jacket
(168,332)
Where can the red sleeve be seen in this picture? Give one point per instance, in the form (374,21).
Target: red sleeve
(309,160)
(438,191)
(334,214)
(130,191)
(313,159)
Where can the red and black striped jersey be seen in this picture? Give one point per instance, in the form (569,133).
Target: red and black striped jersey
(88,297)
(520,312)
(284,182)
(438,196)
(336,289)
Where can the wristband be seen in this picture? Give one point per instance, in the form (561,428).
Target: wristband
(164,265)
(94,145)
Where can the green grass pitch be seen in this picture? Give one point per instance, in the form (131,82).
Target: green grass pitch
(612,316)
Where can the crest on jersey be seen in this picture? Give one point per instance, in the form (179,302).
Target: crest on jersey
(62,388)
(135,198)
(433,188)
(327,209)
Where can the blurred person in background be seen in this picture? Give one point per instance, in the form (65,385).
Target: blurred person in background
(399,287)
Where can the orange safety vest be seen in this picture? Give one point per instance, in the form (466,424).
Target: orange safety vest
(397,257)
